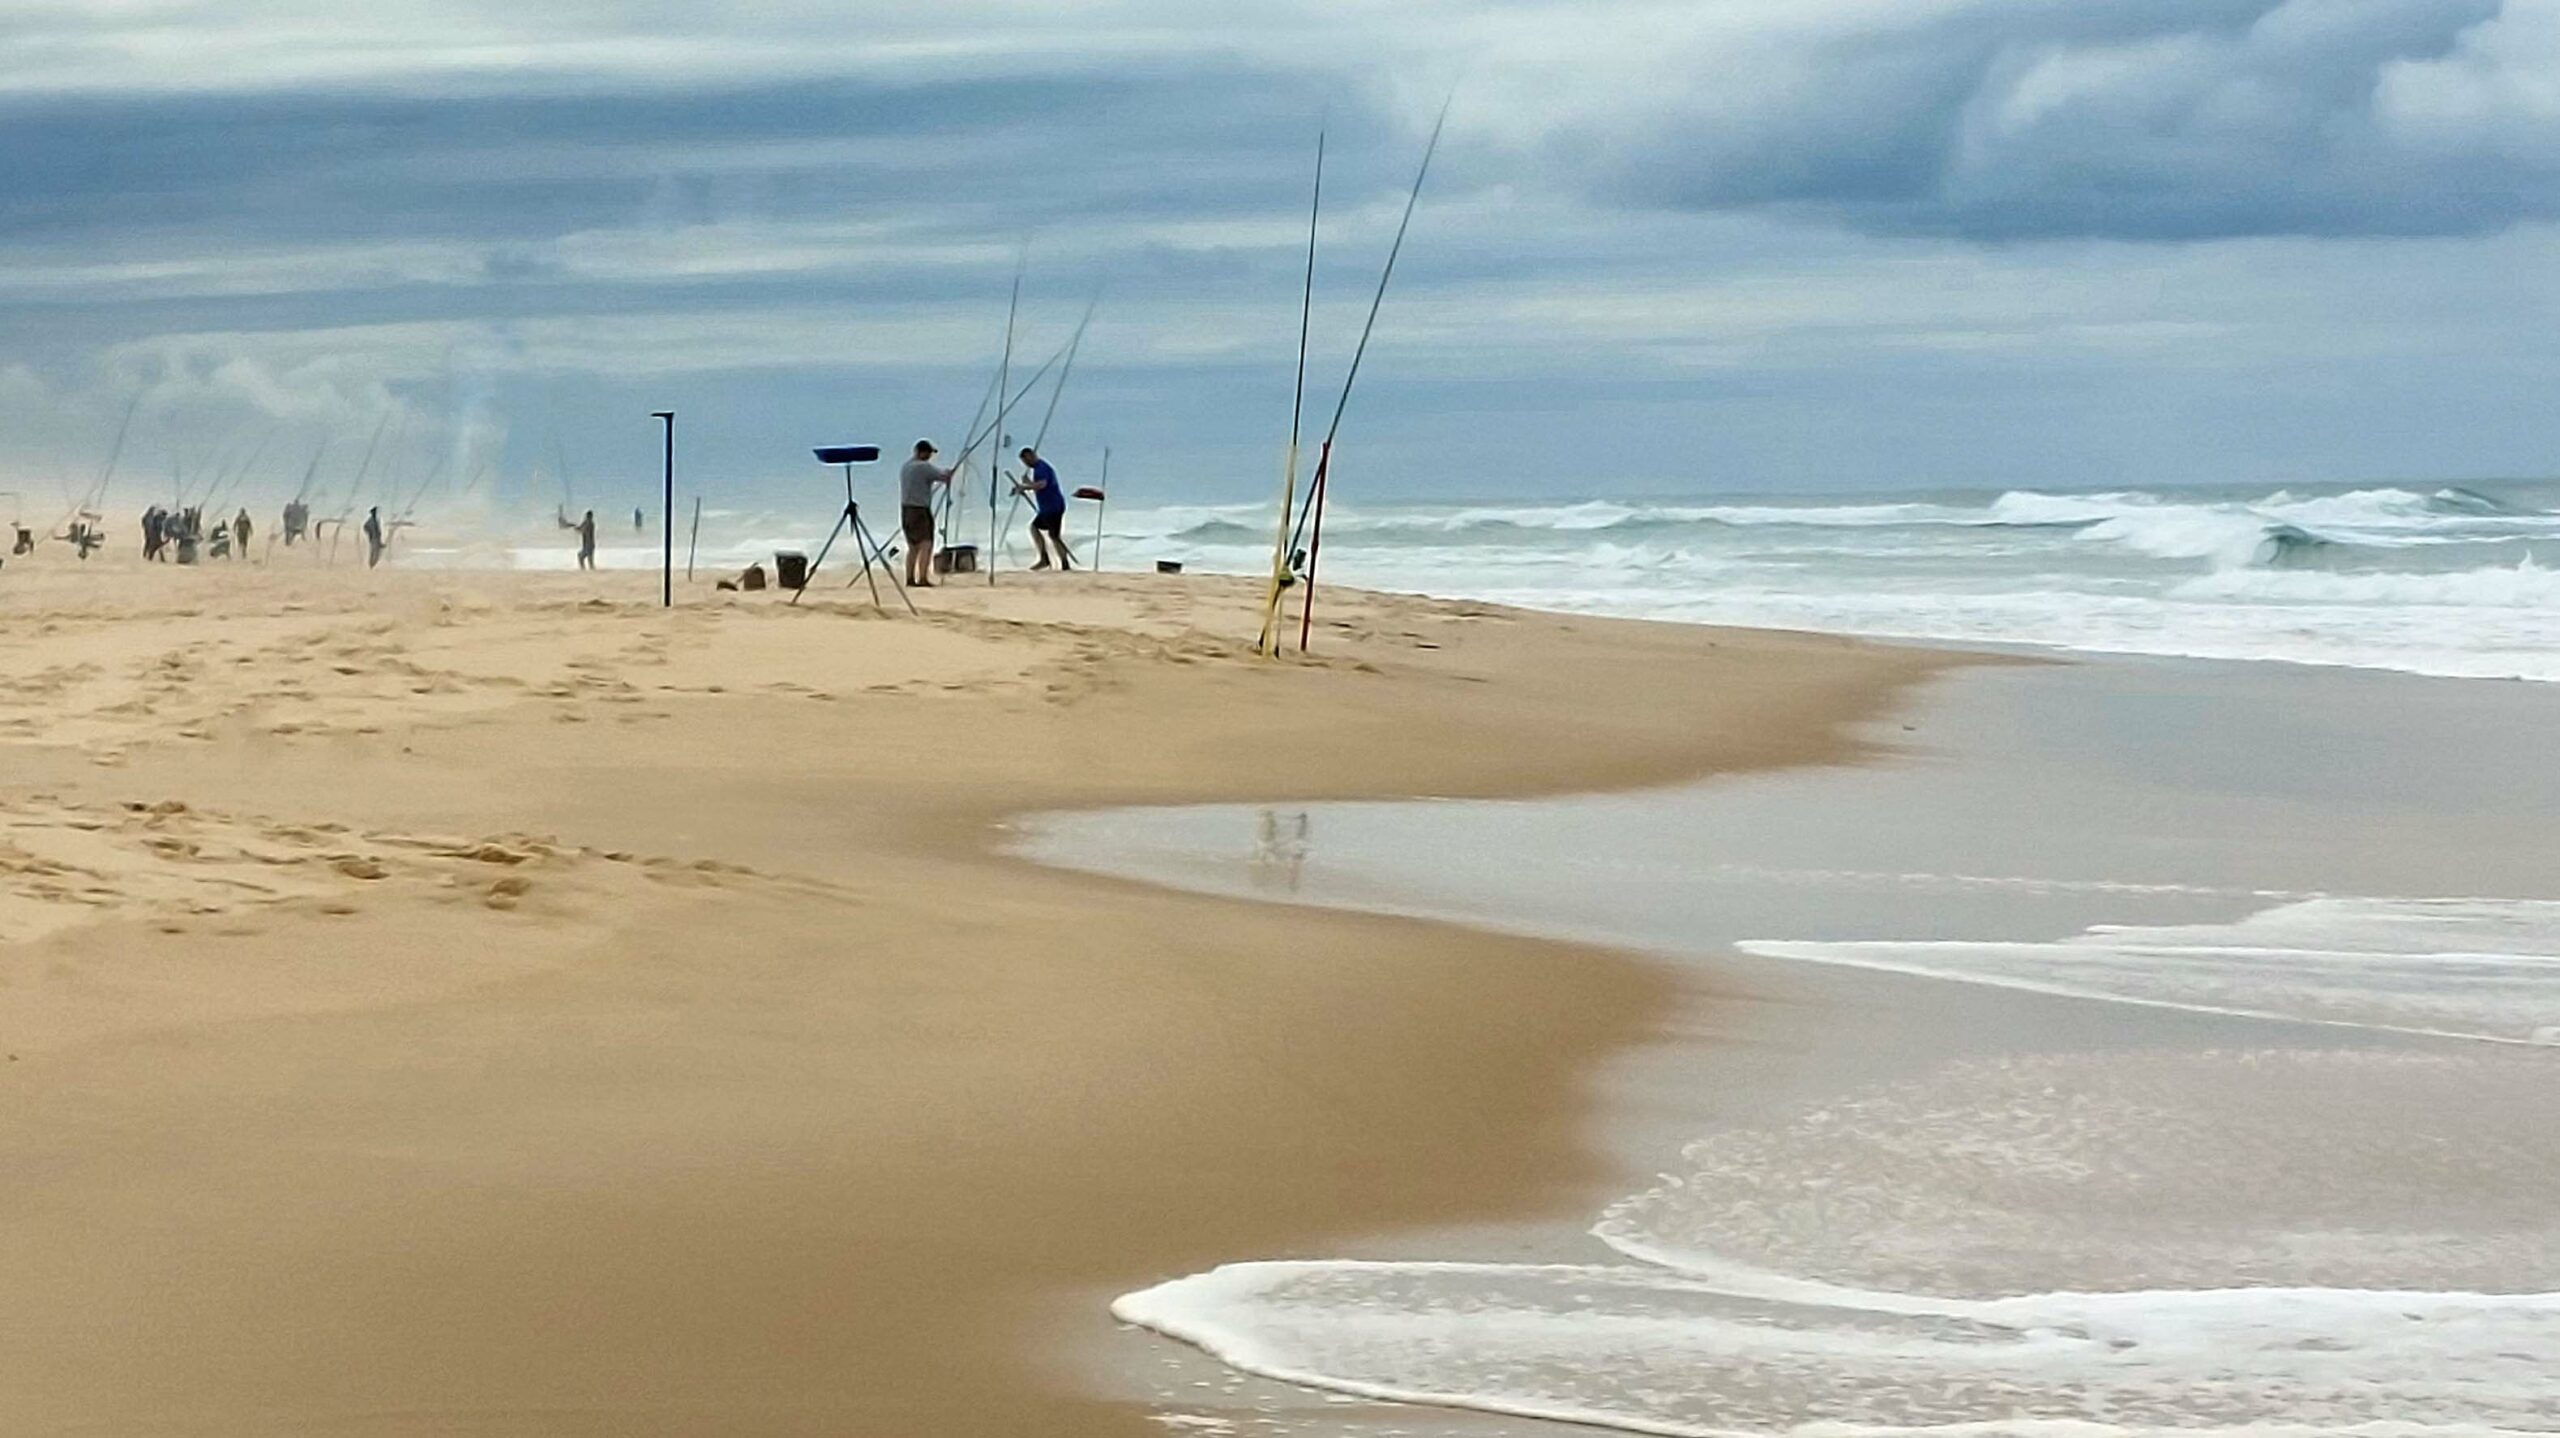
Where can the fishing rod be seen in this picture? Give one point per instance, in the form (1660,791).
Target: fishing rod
(995,463)
(363,466)
(1004,377)
(995,392)
(209,476)
(418,495)
(950,502)
(304,491)
(355,487)
(1055,393)
(96,494)
(1267,644)
(996,425)
(232,475)
(560,455)
(1073,346)
(1318,487)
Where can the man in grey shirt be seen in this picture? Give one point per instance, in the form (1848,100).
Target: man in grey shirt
(916,480)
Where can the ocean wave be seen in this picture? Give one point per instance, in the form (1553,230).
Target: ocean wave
(1648,1351)
(2524,586)
(1978,1249)
(2448,582)
(2448,968)
(2280,528)
(2454,499)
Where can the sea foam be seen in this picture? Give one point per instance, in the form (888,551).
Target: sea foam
(2463,968)
(1878,1265)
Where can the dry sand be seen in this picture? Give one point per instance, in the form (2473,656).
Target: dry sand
(492,1004)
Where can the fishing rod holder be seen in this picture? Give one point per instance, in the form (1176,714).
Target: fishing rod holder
(849,520)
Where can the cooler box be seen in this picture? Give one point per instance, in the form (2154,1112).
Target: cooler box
(957,559)
(791,569)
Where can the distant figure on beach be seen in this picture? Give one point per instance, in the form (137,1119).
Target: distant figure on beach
(1048,509)
(916,479)
(220,544)
(155,531)
(586,527)
(372,537)
(638,524)
(297,519)
(240,533)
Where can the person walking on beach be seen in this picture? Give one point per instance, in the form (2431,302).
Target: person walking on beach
(297,518)
(586,528)
(155,531)
(372,537)
(240,533)
(1048,509)
(916,479)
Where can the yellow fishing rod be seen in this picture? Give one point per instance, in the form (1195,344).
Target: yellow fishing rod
(1268,644)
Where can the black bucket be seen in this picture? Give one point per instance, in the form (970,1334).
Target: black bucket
(791,570)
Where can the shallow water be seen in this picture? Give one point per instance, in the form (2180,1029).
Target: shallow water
(2113,1224)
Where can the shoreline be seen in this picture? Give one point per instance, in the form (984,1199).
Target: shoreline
(1773,1058)
(1026,1061)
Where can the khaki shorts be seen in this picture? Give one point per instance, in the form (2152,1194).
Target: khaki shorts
(917,521)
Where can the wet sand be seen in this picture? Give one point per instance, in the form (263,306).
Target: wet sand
(2018,803)
(491,1004)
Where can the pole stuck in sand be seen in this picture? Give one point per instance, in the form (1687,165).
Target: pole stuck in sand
(1324,460)
(667,516)
(1100,494)
(1267,644)
(693,540)
(1004,377)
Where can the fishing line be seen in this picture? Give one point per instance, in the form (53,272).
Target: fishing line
(1324,462)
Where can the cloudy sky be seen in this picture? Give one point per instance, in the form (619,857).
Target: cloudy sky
(1670,245)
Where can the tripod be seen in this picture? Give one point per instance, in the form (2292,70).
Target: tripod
(863,542)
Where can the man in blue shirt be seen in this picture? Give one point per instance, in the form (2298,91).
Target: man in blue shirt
(1048,509)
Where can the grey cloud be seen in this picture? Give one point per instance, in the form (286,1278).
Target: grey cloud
(2025,119)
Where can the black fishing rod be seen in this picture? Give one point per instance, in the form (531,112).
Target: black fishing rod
(418,495)
(220,470)
(232,475)
(188,494)
(355,489)
(1324,462)
(1267,643)
(96,495)
(304,490)
(363,466)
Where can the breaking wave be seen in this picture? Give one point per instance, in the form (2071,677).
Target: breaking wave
(1886,1263)
(2448,581)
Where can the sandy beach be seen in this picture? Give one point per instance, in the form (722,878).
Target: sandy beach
(490,1003)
